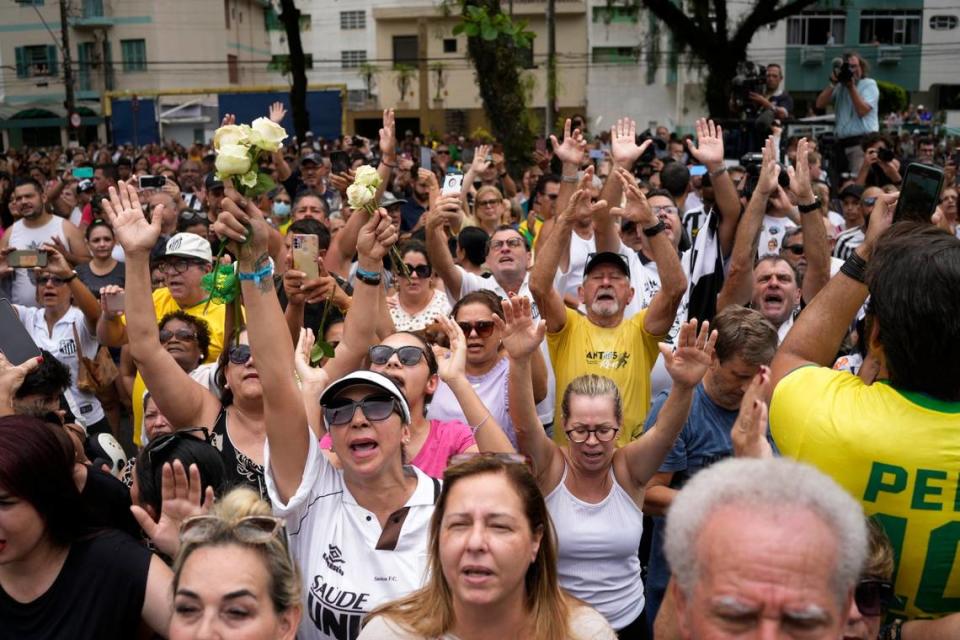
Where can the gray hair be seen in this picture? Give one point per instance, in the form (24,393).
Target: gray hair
(769,485)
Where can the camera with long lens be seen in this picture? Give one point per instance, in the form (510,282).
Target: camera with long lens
(750,78)
(752,163)
(842,70)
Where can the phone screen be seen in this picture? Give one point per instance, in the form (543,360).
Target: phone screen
(151,182)
(27,259)
(306,248)
(82,172)
(15,342)
(425,158)
(114,301)
(919,193)
(452,183)
(339,162)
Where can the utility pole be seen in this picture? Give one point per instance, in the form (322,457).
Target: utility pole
(551,66)
(70,102)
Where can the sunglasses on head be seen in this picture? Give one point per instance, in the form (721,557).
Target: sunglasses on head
(408,355)
(249,529)
(873,597)
(375,408)
(506,458)
(795,249)
(484,328)
(239,354)
(423,271)
(183,335)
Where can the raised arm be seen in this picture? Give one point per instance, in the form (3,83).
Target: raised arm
(521,338)
(571,153)
(818,331)
(452,370)
(57,265)
(709,152)
(686,366)
(184,402)
(287,434)
(313,381)
(625,152)
(816,249)
(437,250)
(388,151)
(111,332)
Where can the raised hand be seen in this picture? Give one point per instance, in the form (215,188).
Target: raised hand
(749,433)
(342,181)
(446,209)
(228,118)
(182,498)
(573,148)
(57,265)
(11,377)
(709,148)
(314,376)
(767,182)
(376,236)
(479,164)
(243,224)
(521,335)
(125,215)
(693,355)
(453,363)
(388,137)
(623,143)
(637,208)
(880,220)
(277,112)
(800,183)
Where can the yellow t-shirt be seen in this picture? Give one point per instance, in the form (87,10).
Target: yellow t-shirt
(898,454)
(625,354)
(163,303)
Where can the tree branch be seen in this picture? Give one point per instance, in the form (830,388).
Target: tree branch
(765,12)
(701,41)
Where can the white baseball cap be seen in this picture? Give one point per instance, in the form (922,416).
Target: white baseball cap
(189,245)
(362,377)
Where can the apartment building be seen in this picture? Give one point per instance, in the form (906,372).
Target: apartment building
(124,46)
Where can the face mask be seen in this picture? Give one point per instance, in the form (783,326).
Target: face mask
(281,209)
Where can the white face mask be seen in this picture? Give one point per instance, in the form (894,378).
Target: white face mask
(281,209)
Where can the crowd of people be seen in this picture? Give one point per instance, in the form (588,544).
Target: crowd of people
(633,389)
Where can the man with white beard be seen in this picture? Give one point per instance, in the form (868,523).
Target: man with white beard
(602,342)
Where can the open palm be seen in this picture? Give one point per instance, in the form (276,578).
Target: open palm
(694,352)
(521,336)
(129,223)
(709,148)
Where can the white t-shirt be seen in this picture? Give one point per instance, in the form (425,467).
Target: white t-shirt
(61,343)
(350,565)
(23,237)
(771,235)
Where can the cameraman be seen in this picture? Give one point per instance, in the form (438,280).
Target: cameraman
(773,99)
(880,166)
(855,99)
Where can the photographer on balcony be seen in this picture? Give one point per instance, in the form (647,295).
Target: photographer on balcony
(880,165)
(855,101)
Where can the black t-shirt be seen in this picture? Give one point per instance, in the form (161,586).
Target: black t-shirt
(108,503)
(97,596)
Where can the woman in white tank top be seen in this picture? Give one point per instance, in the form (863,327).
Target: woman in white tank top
(593,490)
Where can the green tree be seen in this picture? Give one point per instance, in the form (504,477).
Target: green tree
(498,47)
(290,17)
(702,27)
(893,97)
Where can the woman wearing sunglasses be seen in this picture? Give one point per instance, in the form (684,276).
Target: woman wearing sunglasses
(418,304)
(60,578)
(487,365)
(593,489)
(488,208)
(233,576)
(874,592)
(493,566)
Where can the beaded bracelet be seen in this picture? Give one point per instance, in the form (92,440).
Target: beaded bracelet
(256,276)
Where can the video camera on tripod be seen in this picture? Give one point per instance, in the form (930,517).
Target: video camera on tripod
(750,78)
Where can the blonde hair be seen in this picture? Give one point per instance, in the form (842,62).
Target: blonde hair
(429,611)
(241,502)
(880,560)
(591,386)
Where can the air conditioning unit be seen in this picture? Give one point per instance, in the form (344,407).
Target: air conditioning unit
(812,56)
(889,55)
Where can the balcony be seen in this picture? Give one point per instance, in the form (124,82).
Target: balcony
(92,16)
(889,55)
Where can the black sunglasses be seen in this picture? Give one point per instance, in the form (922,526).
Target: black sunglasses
(423,271)
(795,249)
(239,354)
(190,215)
(873,597)
(381,353)
(375,408)
(167,439)
(183,335)
(484,328)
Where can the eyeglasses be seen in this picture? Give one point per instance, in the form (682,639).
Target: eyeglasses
(190,215)
(873,597)
(163,442)
(375,408)
(408,355)
(423,271)
(239,354)
(667,208)
(183,335)
(249,529)
(795,249)
(506,458)
(869,201)
(442,152)
(281,202)
(179,266)
(513,243)
(487,203)
(44,279)
(484,328)
(580,435)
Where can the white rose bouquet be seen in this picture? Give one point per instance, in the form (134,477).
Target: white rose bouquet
(362,195)
(239,149)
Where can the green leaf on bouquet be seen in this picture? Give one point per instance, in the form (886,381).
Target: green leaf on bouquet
(320,351)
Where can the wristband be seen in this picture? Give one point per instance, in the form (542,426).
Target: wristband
(385,163)
(655,229)
(813,206)
(256,276)
(570,179)
(368,277)
(716,173)
(855,268)
(73,276)
(473,430)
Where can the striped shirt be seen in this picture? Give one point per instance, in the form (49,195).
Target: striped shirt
(847,241)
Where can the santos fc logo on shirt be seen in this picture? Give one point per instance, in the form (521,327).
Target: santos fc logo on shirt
(608,359)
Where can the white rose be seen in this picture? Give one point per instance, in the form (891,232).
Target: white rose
(270,134)
(367,176)
(229,134)
(249,179)
(360,196)
(233,160)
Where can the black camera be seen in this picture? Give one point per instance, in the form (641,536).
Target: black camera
(843,71)
(750,78)
(753,162)
(884,154)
